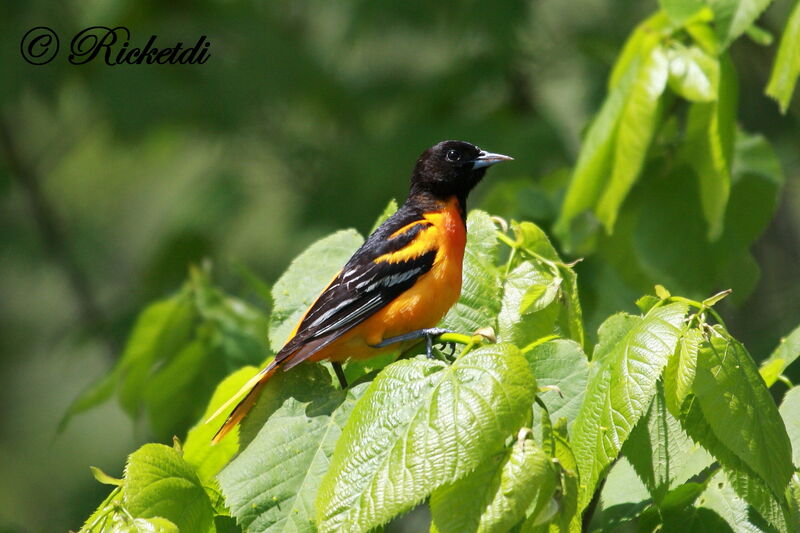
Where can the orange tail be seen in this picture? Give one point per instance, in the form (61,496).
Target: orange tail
(253,388)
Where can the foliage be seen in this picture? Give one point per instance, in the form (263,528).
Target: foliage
(474,434)
(544,429)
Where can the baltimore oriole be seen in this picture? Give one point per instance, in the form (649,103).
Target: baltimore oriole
(398,285)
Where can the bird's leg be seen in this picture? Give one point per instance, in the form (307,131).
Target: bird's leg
(337,368)
(428,334)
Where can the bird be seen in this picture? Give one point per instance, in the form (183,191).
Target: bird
(397,286)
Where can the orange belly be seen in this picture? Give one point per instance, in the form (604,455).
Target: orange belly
(422,306)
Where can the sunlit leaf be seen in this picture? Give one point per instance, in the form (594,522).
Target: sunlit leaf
(619,392)
(272,483)
(787,62)
(561,368)
(658,448)
(637,125)
(197,449)
(159,483)
(710,137)
(496,495)
(784,355)
(693,74)
(416,410)
(741,411)
(790,412)
(733,17)
(679,374)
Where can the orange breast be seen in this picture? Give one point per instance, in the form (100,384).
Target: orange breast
(420,307)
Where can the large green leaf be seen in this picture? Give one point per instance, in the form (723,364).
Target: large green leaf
(790,412)
(748,484)
(159,483)
(708,148)
(272,483)
(307,275)
(595,161)
(620,391)
(785,354)
(561,367)
(787,62)
(497,494)
(658,448)
(637,125)
(420,425)
(479,303)
(740,410)
(733,17)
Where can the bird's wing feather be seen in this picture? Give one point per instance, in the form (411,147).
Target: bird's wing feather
(388,264)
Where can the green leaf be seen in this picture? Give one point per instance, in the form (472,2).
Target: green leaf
(733,17)
(681,10)
(416,410)
(658,448)
(721,498)
(496,495)
(745,482)
(637,125)
(161,330)
(680,371)
(570,320)
(595,159)
(307,276)
(709,144)
(529,310)
(555,281)
(169,394)
(388,211)
(272,483)
(479,304)
(99,520)
(533,239)
(236,330)
(95,394)
(693,74)
(787,62)
(159,483)
(629,362)
(790,412)
(623,496)
(566,518)
(198,451)
(743,415)
(562,366)
(784,355)
(148,525)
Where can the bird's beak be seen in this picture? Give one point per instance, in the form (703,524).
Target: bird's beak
(487,159)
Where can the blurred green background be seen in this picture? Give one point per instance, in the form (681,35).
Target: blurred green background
(307,118)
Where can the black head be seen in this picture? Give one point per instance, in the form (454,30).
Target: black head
(452,168)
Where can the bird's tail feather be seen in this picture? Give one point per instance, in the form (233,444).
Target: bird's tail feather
(251,389)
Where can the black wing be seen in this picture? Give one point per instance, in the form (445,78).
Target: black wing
(362,287)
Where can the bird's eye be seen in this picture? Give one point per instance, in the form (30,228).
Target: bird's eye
(453,155)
